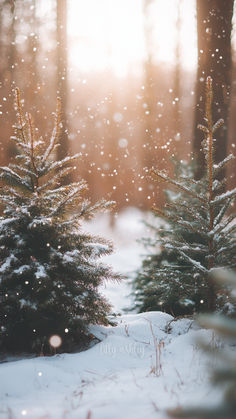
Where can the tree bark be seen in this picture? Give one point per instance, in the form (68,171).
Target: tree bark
(11,73)
(148,112)
(33,46)
(62,73)
(214,26)
(177,78)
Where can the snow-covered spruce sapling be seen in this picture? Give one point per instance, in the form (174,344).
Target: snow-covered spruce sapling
(224,372)
(150,283)
(199,236)
(49,273)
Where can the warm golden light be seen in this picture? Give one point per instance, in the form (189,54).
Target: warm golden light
(110,34)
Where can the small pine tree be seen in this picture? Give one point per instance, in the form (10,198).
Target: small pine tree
(224,374)
(199,236)
(150,284)
(49,272)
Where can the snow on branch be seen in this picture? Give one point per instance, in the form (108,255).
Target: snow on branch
(217,125)
(195,263)
(164,177)
(63,162)
(222,164)
(70,197)
(55,133)
(180,221)
(60,174)
(12,177)
(195,248)
(222,197)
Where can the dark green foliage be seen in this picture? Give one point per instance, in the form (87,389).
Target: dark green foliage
(224,374)
(157,284)
(198,236)
(49,272)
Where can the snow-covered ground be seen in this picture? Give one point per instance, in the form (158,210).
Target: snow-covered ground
(142,366)
(127,229)
(137,371)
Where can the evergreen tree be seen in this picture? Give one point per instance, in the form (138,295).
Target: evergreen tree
(224,374)
(49,272)
(199,236)
(150,282)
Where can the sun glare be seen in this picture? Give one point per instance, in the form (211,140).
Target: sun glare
(106,33)
(165,31)
(110,34)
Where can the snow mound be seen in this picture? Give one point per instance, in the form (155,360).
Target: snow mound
(140,367)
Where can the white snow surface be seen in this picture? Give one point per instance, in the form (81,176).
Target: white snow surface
(137,370)
(125,231)
(143,365)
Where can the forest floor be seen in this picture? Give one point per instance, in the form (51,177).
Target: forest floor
(146,364)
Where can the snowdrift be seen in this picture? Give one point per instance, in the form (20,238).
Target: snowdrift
(145,364)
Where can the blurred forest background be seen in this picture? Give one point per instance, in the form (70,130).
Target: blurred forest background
(131,75)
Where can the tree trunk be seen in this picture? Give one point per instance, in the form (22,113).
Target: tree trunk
(214,25)
(11,71)
(62,73)
(177,79)
(148,112)
(33,46)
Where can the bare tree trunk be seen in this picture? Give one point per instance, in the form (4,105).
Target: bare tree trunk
(177,95)
(12,58)
(33,46)
(12,50)
(149,100)
(214,25)
(62,73)
(1,45)
(148,73)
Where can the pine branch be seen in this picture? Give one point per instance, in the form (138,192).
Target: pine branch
(174,245)
(20,115)
(59,175)
(190,180)
(226,249)
(64,189)
(222,212)
(220,198)
(190,211)
(88,210)
(13,178)
(195,263)
(56,132)
(70,197)
(13,192)
(32,157)
(228,230)
(179,185)
(22,169)
(218,185)
(217,125)
(11,203)
(24,146)
(60,164)
(172,218)
(217,167)
(221,226)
